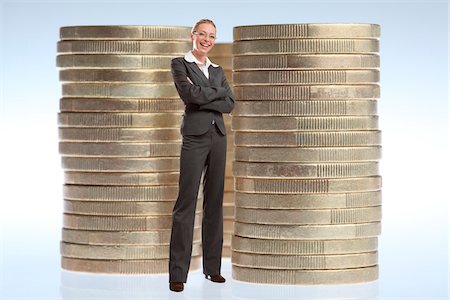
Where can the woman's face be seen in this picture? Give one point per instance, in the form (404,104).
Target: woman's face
(203,38)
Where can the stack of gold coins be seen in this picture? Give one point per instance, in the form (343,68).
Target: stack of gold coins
(120,143)
(308,190)
(221,54)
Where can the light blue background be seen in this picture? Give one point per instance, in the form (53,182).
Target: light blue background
(414,119)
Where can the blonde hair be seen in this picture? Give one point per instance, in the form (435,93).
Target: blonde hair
(202,21)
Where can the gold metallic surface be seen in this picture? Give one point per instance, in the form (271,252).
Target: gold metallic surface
(344,108)
(122,32)
(120,105)
(314,77)
(300,154)
(113,238)
(308,216)
(126,47)
(294,46)
(272,123)
(303,247)
(118,149)
(122,179)
(148,120)
(307,186)
(126,252)
(95,164)
(279,31)
(305,262)
(282,276)
(298,62)
(308,201)
(309,139)
(119,134)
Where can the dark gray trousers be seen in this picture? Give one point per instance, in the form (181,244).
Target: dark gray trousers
(206,152)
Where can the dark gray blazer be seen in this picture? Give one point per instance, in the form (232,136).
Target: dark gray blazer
(205,100)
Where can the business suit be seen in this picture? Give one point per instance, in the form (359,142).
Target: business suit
(203,149)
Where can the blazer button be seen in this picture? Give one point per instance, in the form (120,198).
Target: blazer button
(213,122)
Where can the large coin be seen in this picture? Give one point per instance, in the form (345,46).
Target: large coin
(119,90)
(297,154)
(119,134)
(120,105)
(308,216)
(274,77)
(271,276)
(122,179)
(309,139)
(117,149)
(148,120)
(126,47)
(127,252)
(309,92)
(303,170)
(294,62)
(307,186)
(122,164)
(157,33)
(308,201)
(304,108)
(114,61)
(114,75)
(308,232)
(279,31)
(113,238)
(303,247)
(296,46)
(305,262)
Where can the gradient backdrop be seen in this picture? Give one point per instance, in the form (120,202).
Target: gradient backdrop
(414,119)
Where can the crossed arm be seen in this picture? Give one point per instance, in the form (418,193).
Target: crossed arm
(208,98)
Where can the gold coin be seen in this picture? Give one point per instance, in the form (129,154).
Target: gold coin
(114,238)
(308,216)
(221,50)
(304,262)
(301,92)
(122,32)
(279,31)
(120,193)
(141,266)
(307,201)
(303,247)
(300,62)
(284,77)
(307,232)
(119,90)
(128,252)
(129,208)
(120,105)
(309,139)
(122,179)
(113,223)
(125,47)
(117,149)
(298,46)
(114,75)
(307,186)
(303,170)
(339,276)
(119,134)
(148,120)
(292,154)
(114,61)
(266,109)
(122,164)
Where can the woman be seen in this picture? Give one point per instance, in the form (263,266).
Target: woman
(204,90)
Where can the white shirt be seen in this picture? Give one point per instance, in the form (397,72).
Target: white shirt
(203,67)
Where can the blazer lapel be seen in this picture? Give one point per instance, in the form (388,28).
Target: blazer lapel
(200,74)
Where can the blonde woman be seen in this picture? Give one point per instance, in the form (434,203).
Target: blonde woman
(206,94)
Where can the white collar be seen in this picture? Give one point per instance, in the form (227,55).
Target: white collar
(189,57)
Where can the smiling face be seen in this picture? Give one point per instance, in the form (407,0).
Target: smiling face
(203,38)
